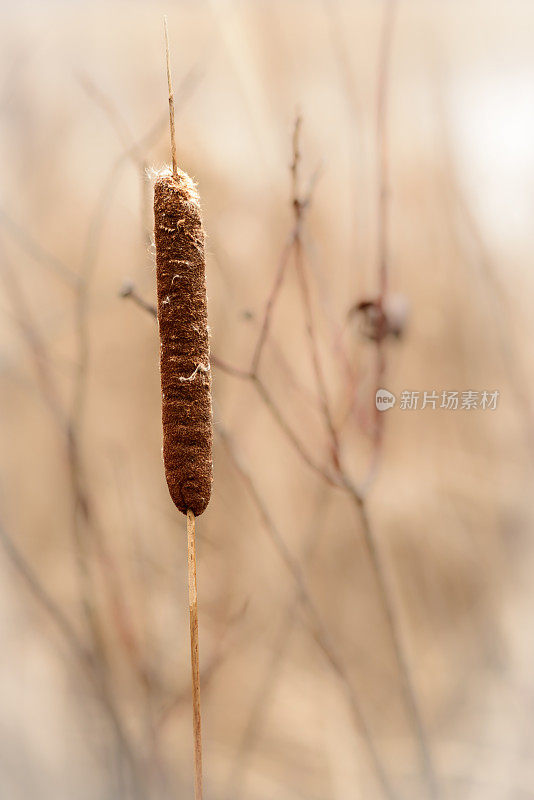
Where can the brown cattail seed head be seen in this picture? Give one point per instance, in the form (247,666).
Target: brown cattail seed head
(184,344)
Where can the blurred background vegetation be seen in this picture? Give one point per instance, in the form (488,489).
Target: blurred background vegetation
(437,111)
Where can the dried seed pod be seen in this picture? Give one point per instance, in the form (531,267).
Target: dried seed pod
(184,343)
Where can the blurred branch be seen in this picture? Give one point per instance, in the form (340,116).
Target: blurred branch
(263,696)
(383,268)
(86,658)
(38,253)
(504,309)
(128,290)
(299,205)
(113,114)
(318,629)
(43,598)
(51,396)
(273,295)
(382,119)
(136,150)
(30,334)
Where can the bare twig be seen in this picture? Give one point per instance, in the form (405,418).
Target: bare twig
(395,629)
(271,300)
(290,434)
(128,290)
(382,118)
(298,207)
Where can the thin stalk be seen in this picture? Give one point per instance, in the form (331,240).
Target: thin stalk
(171,101)
(195,671)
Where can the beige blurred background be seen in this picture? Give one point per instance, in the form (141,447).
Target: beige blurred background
(94,648)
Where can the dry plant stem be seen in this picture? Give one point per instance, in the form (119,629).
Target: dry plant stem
(277,285)
(230,286)
(382,231)
(280,273)
(195,671)
(171,101)
(183,694)
(395,629)
(290,434)
(298,208)
(382,146)
(128,290)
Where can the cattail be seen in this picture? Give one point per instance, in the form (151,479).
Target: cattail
(185,371)
(183,331)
